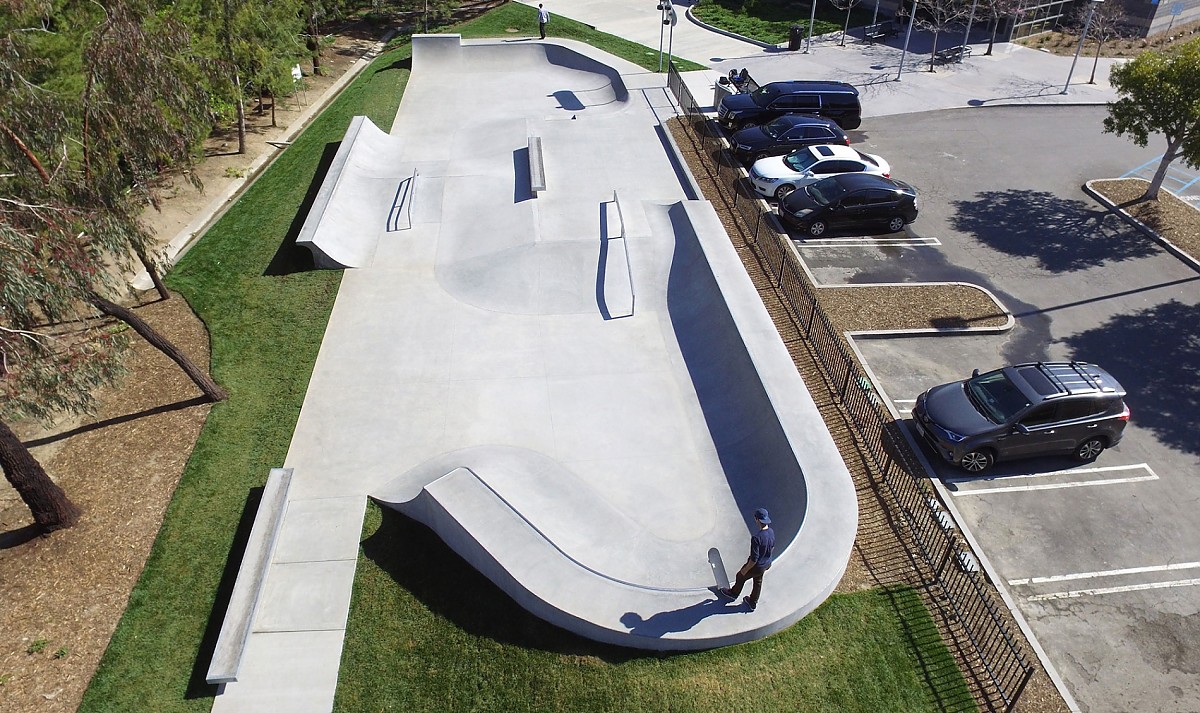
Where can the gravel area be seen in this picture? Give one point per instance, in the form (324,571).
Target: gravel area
(1177,221)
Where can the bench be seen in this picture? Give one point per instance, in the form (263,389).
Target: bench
(952,54)
(239,616)
(537,171)
(879,31)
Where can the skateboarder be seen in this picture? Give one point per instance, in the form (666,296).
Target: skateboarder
(543,18)
(762,547)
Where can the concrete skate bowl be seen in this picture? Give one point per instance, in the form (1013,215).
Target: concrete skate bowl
(572,82)
(538,530)
(365,193)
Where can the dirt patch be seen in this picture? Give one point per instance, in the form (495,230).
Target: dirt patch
(62,596)
(1066,43)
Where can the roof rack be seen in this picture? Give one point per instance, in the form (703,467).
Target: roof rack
(1074,377)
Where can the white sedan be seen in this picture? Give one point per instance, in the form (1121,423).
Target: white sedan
(777,176)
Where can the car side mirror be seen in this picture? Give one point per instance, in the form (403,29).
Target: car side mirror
(974,373)
(1022,429)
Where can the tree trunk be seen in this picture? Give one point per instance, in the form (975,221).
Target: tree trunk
(201,379)
(992,38)
(49,504)
(150,270)
(314,39)
(241,114)
(1160,174)
(1095,62)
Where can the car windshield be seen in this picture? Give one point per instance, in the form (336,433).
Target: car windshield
(996,397)
(776,128)
(800,161)
(763,96)
(825,191)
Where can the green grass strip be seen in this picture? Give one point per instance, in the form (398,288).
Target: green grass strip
(265,331)
(429,632)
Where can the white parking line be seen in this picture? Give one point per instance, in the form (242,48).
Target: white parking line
(1055,486)
(1113,590)
(865,242)
(1070,471)
(1105,573)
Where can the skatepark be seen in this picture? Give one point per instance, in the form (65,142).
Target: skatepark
(574,384)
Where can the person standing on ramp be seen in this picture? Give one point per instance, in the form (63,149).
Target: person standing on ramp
(762,548)
(543,18)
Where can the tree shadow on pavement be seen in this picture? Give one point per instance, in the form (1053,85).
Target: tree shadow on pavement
(1155,354)
(1062,234)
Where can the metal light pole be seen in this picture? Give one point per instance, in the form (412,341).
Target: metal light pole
(912,15)
(812,18)
(875,17)
(669,19)
(1086,26)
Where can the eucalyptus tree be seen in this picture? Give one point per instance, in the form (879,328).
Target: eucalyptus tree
(82,154)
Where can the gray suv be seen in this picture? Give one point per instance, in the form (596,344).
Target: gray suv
(1022,411)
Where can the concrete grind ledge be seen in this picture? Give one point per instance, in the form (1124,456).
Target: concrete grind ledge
(488,502)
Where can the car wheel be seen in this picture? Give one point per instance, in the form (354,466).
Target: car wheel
(784,191)
(1089,450)
(977,461)
(817,228)
(747,125)
(895,224)
(761,155)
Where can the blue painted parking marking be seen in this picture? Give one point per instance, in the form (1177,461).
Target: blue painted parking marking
(1179,181)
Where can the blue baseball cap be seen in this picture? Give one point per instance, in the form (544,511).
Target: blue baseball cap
(762,516)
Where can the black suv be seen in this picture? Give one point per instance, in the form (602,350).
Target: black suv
(784,135)
(832,100)
(1043,408)
(858,200)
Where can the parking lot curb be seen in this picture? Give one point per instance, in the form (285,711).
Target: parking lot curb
(1009,321)
(1145,229)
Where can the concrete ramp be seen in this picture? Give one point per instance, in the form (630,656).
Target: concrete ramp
(541,529)
(366,192)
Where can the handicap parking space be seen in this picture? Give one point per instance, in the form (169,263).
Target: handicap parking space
(1098,557)
(1181,180)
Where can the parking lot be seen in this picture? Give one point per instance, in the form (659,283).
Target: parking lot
(1102,559)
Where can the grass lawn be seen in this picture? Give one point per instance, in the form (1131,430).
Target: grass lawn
(428,632)
(430,641)
(770,21)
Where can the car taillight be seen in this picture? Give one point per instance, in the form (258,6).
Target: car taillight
(1124,414)
(847,140)
(887,175)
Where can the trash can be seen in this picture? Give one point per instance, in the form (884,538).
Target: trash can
(796,37)
(721,90)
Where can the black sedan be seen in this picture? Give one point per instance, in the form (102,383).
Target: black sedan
(851,200)
(784,135)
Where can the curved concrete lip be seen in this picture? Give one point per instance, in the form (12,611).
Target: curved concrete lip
(600,467)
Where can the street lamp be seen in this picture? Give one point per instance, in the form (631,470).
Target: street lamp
(1086,26)
(907,36)
(812,17)
(668,20)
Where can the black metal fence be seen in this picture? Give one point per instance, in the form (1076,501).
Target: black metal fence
(956,590)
